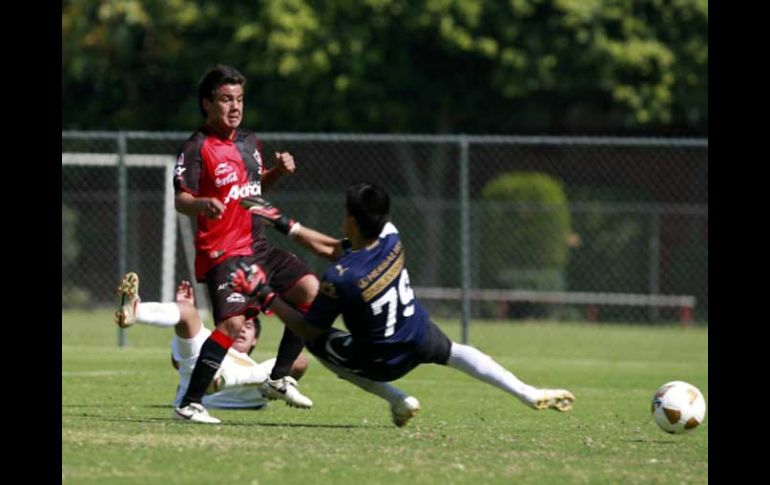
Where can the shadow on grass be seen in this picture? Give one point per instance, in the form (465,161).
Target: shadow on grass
(148,419)
(112,405)
(656,442)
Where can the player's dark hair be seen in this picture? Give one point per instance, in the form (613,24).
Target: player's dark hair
(215,77)
(369,205)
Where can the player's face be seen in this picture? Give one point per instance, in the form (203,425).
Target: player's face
(225,112)
(247,338)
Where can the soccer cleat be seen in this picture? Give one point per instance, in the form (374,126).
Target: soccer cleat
(128,298)
(286,390)
(195,413)
(558,399)
(405,410)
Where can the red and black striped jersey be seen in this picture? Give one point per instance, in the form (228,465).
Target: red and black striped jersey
(209,166)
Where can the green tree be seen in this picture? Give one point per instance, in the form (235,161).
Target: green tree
(526,231)
(393,65)
(524,235)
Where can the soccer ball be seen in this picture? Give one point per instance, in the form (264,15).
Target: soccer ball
(678,407)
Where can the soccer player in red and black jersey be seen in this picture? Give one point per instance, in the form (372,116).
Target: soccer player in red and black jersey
(220,164)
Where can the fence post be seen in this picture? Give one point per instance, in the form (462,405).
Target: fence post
(169,237)
(122,205)
(465,236)
(654,281)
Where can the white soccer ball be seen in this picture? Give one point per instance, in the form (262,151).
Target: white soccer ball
(678,407)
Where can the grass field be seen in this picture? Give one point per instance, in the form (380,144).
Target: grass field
(116,425)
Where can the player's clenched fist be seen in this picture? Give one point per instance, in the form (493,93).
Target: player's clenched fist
(285,163)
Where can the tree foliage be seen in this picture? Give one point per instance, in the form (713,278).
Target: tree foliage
(393,65)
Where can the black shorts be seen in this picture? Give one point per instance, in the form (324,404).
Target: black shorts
(339,347)
(283,270)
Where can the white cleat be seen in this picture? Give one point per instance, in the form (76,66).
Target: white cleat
(558,399)
(194,413)
(286,390)
(128,298)
(404,410)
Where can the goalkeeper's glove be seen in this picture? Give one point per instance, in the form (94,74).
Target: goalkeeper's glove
(250,280)
(270,215)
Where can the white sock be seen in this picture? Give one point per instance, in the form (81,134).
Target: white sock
(384,390)
(481,366)
(158,314)
(234,374)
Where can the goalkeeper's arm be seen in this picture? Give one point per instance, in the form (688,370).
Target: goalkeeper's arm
(319,243)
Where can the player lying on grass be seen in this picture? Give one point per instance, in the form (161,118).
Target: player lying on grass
(389,331)
(240,381)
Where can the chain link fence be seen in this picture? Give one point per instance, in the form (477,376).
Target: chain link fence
(558,228)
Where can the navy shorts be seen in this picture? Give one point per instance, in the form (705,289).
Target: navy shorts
(339,348)
(283,270)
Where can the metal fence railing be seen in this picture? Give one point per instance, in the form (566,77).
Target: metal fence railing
(624,217)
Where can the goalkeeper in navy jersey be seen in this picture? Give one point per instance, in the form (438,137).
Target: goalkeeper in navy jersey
(389,332)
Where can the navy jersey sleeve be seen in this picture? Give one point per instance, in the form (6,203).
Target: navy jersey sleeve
(189,164)
(327,305)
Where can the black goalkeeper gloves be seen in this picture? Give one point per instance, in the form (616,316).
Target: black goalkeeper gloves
(250,280)
(270,214)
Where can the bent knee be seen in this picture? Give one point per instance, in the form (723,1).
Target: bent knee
(303,292)
(231,326)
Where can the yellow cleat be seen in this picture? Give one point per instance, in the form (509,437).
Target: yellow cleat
(405,410)
(558,399)
(128,297)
